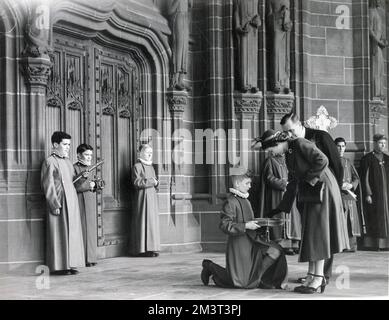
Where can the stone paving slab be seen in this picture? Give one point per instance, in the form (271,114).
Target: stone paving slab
(361,275)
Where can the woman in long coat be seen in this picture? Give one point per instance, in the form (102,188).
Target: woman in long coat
(324,229)
(145,238)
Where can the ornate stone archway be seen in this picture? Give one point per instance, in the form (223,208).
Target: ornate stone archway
(130,34)
(114,72)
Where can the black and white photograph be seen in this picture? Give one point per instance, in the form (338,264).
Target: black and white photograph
(208,151)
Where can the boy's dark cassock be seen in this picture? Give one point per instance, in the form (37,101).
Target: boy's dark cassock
(324,229)
(87,202)
(354,219)
(374,182)
(64,242)
(274,178)
(145,234)
(245,251)
(326,144)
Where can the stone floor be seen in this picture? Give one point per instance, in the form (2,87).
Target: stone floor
(361,275)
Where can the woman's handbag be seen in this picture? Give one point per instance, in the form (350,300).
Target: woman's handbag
(311,194)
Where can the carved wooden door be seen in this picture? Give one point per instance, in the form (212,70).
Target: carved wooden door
(117,96)
(93,95)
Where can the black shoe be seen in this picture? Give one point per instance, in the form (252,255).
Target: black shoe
(298,289)
(73,271)
(205,273)
(151,254)
(60,273)
(311,290)
(147,254)
(91,264)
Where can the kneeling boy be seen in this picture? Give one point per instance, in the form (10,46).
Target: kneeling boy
(251,262)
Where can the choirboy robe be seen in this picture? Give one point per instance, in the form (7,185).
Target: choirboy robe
(64,241)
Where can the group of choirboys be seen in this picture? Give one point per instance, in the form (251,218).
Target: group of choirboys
(306,182)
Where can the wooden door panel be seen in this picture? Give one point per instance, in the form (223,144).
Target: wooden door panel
(125,148)
(66,93)
(108,154)
(93,94)
(75,91)
(116,99)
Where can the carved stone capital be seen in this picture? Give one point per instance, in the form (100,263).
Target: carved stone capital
(177,101)
(278,104)
(36,70)
(376,109)
(322,120)
(247,102)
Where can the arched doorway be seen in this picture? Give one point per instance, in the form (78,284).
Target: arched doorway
(102,91)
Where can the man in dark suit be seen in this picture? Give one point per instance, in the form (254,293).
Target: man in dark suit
(290,122)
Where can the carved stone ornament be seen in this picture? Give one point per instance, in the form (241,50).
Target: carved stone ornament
(279,103)
(177,101)
(124,104)
(376,109)
(124,113)
(36,70)
(322,120)
(247,103)
(107,100)
(75,105)
(54,102)
(54,86)
(108,111)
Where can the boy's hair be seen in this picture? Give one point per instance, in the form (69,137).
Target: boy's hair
(83,147)
(379,136)
(239,178)
(292,116)
(58,136)
(144,146)
(340,139)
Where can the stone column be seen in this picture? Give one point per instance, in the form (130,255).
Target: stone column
(36,66)
(177,101)
(277,105)
(36,72)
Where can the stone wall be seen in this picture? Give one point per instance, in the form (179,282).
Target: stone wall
(329,66)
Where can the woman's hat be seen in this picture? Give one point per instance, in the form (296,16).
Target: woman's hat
(269,139)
